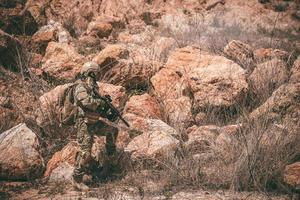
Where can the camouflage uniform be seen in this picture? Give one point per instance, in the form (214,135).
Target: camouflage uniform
(89,104)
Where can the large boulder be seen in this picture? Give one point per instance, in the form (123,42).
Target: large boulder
(158,140)
(267,77)
(198,82)
(116,67)
(66,155)
(142,126)
(292,175)
(143,106)
(20,157)
(62,62)
(110,55)
(241,53)
(152,145)
(227,142)
(49,106)
(170,84)
(211,138)
(74,15)
(217,83)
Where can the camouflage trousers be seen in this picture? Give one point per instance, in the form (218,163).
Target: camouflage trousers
(85,134)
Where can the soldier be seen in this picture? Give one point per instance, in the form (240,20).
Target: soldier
(90,107)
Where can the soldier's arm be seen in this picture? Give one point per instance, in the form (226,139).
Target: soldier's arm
(85,100)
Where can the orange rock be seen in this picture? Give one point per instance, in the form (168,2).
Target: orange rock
(61,61)
(36,60)
(292,175)
(49,105)
(157,140)
(67,154)
(117,93)
(143,106)
(240,52)
(110,54)
(213,81)
(267,77)
(200,139)
(19,154)
(99,28)
(264,54)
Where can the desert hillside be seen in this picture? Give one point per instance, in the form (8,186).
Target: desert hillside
(210,88)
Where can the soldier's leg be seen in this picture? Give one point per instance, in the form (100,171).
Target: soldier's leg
(111,134)
(83,158)
(111,138)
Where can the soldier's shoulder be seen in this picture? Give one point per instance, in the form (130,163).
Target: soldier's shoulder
(80,88)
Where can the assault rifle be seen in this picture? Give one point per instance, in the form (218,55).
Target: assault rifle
(107,100)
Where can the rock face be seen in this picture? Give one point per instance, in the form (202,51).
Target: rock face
(143,106)
(20,158)
(292,175)
(268,76)
(61,61)
(240,52)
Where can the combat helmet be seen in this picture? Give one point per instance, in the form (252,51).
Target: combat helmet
(88,68)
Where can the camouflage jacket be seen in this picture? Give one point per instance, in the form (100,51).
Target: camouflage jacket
(87,101)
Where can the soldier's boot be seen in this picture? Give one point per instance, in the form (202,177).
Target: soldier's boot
(87,179)
(79,175)
(78,181)
(80,186)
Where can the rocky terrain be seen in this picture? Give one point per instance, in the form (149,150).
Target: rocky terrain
(211,89)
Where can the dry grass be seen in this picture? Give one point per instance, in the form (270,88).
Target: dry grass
(266,149)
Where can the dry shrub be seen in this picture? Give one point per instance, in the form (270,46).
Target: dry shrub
(214,36)
(69,24)
(266,148)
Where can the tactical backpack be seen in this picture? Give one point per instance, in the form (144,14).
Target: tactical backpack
(67,106)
